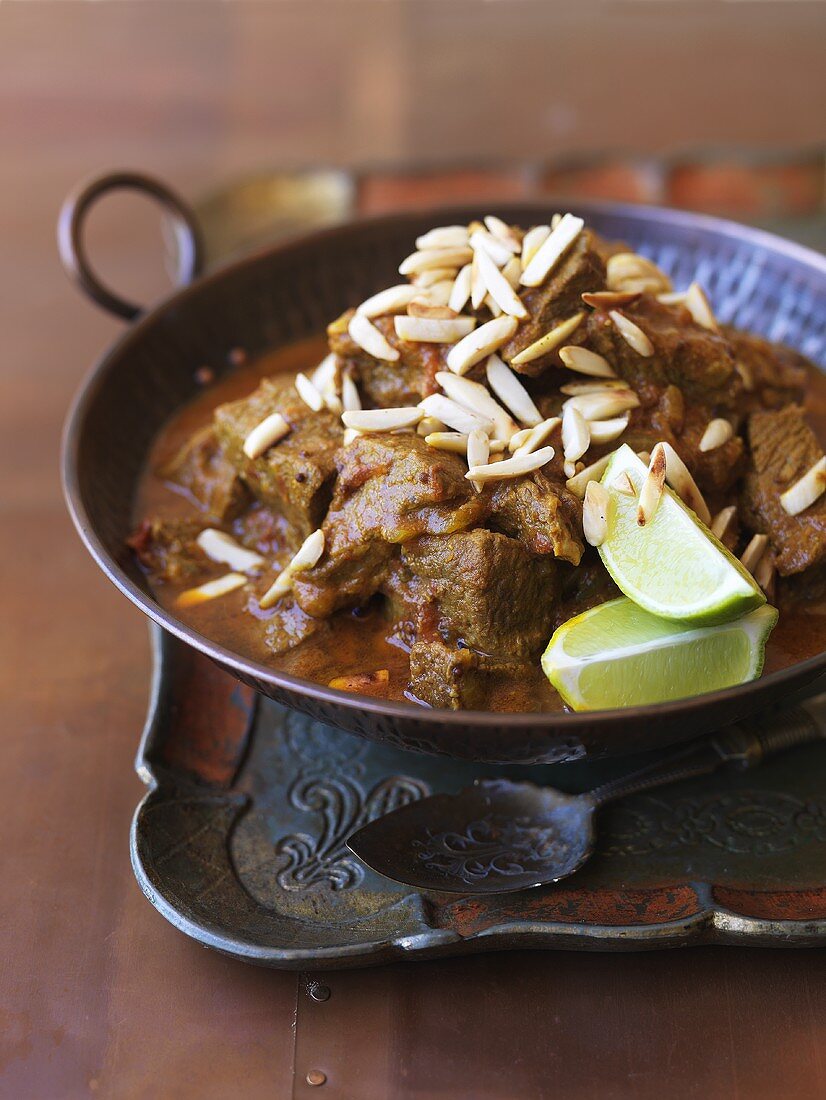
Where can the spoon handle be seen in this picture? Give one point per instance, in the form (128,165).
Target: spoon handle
(744,746)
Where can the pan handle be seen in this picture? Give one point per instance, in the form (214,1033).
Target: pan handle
(73,249)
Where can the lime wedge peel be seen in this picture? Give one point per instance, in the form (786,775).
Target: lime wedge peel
(673,566)
(619,655)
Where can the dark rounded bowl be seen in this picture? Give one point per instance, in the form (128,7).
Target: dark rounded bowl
(290,291)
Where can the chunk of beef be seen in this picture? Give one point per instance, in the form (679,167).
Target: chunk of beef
(783,448)
(776,375)
(490,591)
(168,551)
(541,513)
(389,385)
(558,298)
(295,476)
(700,362)
(289,625)
(683,424)
(390,488)
(446,674)
(210,480)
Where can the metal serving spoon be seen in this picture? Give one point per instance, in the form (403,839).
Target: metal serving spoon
(498,836)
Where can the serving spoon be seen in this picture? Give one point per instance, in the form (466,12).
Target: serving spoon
(498,836)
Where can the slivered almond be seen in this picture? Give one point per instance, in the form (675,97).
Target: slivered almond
(681,481)
(428,425)
(425,307)
(437,296)
(504,232)
(545,344)
(576,437)
(673,298)
(599,385)
(478,453)
(350,399)
(478,290)
(570,468)
(606,431)
(623,484)
(499,288)
(579,482)
(427,330)
(262,437)
(609,299)
(518,438)
(630,271)
(809,488)
(456,416)
(393,300)
(497,250)
(493,306)
(223,548)
(474,396)
(552,249)
(325,376)
(305,558)
(444,236)
(480,343)
(460,291)
(350,436)
(511,467)
(764,573)
(211,590)
(652,487)
(535,437)
(308,393)
(595,513)
(511,392)
(455,442)
(512,271)
(751,556)
(604,405)
(435,275)
(363,683)
(429,258)
(588,362)
(699,307)
(532,242)
(716,434)
(632,334)
(745,374)
(722,523)
(382,420)
(364,333)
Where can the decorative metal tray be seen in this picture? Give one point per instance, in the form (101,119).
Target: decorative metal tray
(240,843)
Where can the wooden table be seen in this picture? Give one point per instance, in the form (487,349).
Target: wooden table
(99,995)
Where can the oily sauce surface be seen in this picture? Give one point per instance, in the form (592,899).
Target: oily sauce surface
(357,644)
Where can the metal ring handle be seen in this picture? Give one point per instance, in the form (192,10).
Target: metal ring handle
(73,253)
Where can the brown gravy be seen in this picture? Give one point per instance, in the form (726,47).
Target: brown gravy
(361,643)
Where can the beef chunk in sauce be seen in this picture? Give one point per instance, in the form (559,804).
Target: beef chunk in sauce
(774,376)
(700,362)
(541,513)
(390,488)
(166,548)
(384,384)
(295,476)
(491,593)
(203,471)
(558,298)
(783,448)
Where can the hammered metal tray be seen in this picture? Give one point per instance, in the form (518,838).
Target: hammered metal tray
(240,843)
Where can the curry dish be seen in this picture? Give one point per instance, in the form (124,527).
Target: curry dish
(398,510)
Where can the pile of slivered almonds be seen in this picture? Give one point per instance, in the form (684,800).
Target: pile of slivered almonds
(497,426)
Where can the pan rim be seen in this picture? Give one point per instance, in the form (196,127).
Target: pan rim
(562,721)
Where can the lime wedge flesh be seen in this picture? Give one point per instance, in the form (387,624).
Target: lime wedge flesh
(619,655)
(673,566)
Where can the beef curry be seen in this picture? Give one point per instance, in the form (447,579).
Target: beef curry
(405,519)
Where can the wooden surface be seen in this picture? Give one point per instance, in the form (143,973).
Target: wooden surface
(98,995)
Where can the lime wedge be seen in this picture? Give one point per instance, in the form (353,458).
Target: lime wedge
(673,566)
(618,655)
